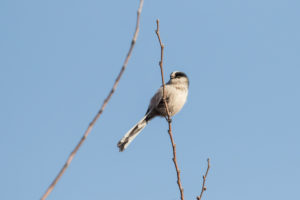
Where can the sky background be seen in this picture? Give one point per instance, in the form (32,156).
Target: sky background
(59,59)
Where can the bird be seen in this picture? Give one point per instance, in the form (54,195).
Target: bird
(176,92)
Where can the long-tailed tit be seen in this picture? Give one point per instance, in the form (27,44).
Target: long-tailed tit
(176,92)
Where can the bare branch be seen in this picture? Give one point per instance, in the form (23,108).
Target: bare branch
(71,156)
(168,117)
(204,179)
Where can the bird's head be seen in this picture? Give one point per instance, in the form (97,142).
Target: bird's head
(178,77)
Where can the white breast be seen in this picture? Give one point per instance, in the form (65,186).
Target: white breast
(177,98)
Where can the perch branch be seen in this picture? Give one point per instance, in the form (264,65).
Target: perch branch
(88,130)
(204,180)
(168,113)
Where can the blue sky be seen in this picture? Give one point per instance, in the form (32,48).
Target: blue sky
(59,60)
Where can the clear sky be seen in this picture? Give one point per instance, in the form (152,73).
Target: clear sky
(58,61)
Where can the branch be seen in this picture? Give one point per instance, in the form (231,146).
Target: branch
(168,113)
(204,179)
(71,156)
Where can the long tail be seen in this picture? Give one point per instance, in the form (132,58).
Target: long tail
(132,133)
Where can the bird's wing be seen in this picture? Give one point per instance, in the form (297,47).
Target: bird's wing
(155,100)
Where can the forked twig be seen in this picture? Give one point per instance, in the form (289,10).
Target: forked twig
(167,108)
(71,156)
(204,180)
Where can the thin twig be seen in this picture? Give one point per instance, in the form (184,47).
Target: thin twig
(168,113)
(71,156)
(204,180)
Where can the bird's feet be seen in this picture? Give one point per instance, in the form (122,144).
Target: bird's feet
(169,120)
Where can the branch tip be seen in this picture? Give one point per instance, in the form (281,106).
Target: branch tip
(91,124)
(204,180)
